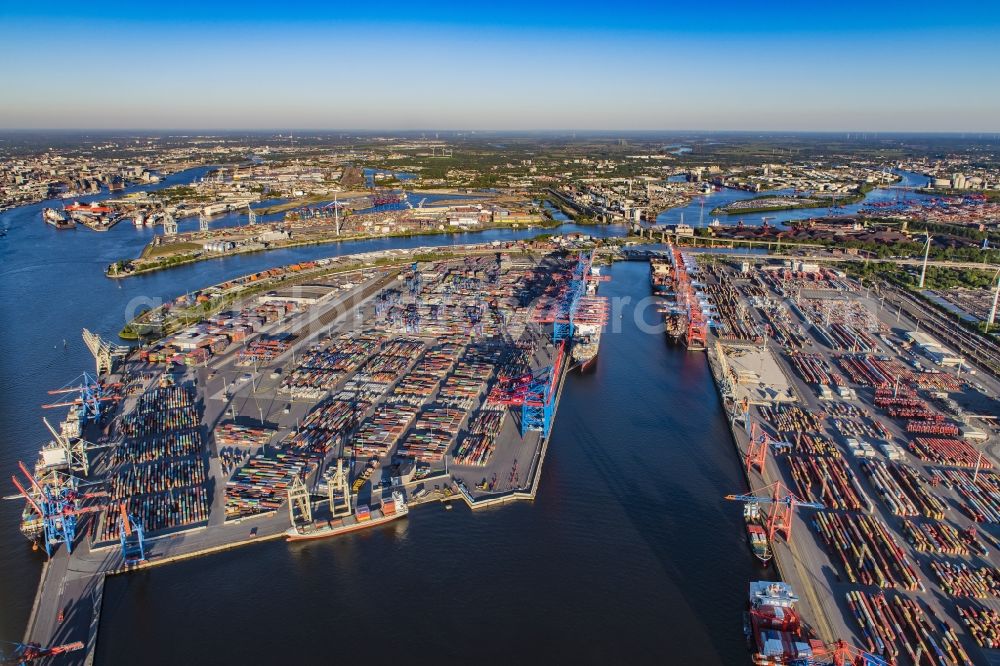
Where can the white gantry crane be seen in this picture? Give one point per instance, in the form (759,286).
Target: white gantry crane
(169,225)
(105,354)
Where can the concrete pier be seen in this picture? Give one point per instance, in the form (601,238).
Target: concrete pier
(797,569)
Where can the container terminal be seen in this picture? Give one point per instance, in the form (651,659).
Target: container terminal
(869,440)
(330,404)
(342,399)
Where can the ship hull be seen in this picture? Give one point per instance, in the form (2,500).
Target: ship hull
(585,361)
(326,532)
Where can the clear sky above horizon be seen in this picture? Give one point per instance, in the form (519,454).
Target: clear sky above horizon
(888,66)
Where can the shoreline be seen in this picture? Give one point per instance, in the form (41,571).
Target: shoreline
(331,241)
(847,200)
(781,568)
(436,252)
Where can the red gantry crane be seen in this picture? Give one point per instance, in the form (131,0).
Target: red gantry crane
(534,393)
(756,455)
(783,503)
(24,653)
(687,300)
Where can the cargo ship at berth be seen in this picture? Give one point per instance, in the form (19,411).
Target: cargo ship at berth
(362,518)
(57,219)
(54,470)
(659,278)
(685,321)
(773,627)
(590,320)
(756,533)
(586,343)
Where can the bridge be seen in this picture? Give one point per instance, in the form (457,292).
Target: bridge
(590,211)
(771,249)
(641,255)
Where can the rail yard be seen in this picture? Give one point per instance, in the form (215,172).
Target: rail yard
(301,413)
(870,441)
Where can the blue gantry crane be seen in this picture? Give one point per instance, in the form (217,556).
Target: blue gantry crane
(562,324)
(55,500)
(90,394)
(538,402)
(25,653)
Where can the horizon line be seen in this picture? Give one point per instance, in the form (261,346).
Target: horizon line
(497,129)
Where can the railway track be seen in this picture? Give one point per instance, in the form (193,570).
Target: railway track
(980,351)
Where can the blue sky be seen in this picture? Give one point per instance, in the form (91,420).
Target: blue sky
(512,65)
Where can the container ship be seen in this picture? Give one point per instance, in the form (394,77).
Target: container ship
(362,518)
(57,219)
(660,277)
(759,543)
(773,627)
(685,317)
(53,469)
(586,343)
(590,317)
(673,320)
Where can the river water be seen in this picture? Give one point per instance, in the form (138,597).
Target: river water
(629,552)
(698,213)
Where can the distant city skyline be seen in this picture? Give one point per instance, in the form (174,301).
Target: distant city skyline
(893,66)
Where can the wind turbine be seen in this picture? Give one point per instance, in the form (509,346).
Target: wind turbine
(927,251)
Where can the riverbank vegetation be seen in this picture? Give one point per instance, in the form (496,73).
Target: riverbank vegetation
(192,252)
